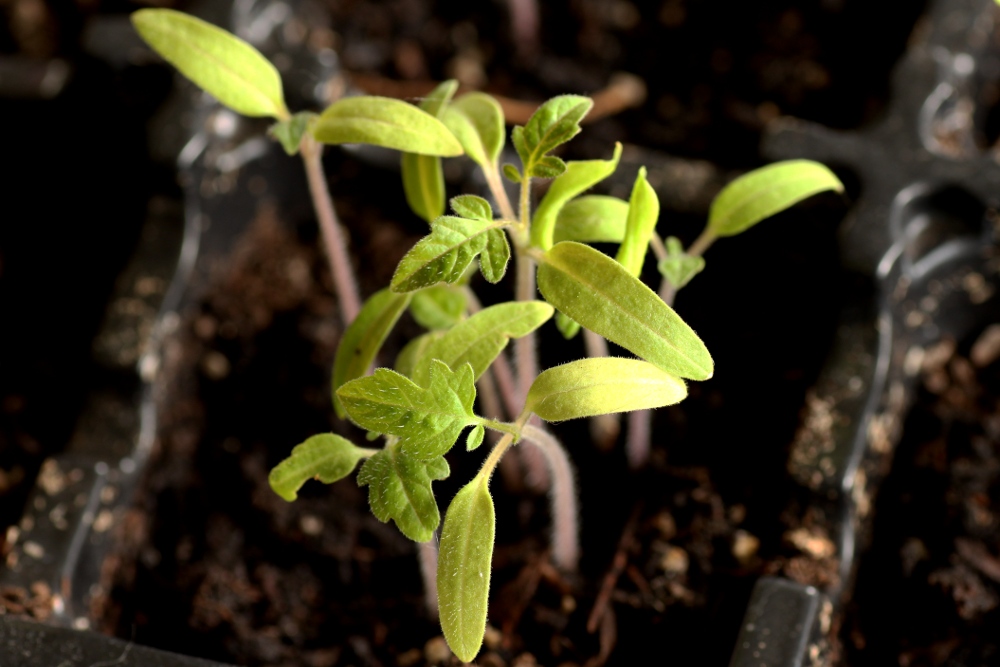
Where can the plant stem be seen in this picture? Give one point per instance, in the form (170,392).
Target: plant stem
(565,515)
(604,429)
(495,183)
(333,237)
(428,554)
(527,362)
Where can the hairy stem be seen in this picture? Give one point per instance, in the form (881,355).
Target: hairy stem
(333,237)
(495,183)
(527,361)
(565,516)
(428,554)
(604,429)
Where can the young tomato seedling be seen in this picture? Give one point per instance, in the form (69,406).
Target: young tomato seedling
(422,406)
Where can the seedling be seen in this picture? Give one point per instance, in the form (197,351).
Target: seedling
(423,406)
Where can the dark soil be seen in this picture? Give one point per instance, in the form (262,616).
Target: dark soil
(929,590)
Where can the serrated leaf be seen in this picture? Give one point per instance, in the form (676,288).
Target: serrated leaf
(511,173)
(549,166)
(326,457)
(643,212)
(554,123)
(445,254)
(217,61)
(399,488)
(364,337)
(386,122)
(438,307)
(567,326)
(465,561)
(472,207)
(601,295)
(423,180)
(476,120)
(763,192)
(475,438)
(481,338)
(592,219)
(579,177)
(427,419)
(289,132)
(600,386)
(678,267)
(412,352)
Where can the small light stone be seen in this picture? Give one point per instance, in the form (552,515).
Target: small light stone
(986,349)
(745,546)
(675,560)
(493,638)
(311,524)
(436,651)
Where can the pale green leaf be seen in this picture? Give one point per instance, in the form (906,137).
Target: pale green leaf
(511,173)
(601,295)
(643,211)
(494,257)
(399,488)
(465,561)
(567,326)
(592,219)
(478,340)
(445,254)
(386,122)
(438,307)
(601,385)
(427,419)
(412,352)
(476,120)
(289,132)
(678,267)
(217,61)
(548,166)
(554,123)
(364,337)
(472,207)
(423,180)
(763,192)
(579,177)
(326,457)
(475,438)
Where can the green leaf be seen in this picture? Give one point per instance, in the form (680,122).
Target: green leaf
(678,267)
(601,295)
(567,326)
(479,340)
(465,562)
(602,385)
(592,219)
(476,120)
(475,438)
(326,457)
(554,123)
(364,337)
(472,207)
(289,132)
(579,177)
(386,122)
(445,254)
(399,488)
(763,192)
(412,352)
(549,166)
(643,211)
(217,61)
(438,307)
(426,419)
(423,180)
(511,173)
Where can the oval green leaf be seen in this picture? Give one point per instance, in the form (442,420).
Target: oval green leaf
(423,180)
(445,254)
(643,212)
(325,457)
(465,562)
(438,307)
(601,295)
(579,177)
(364,337)
(476,120)
(592,219)
(383,121)
(766,191)
(217,61)
(600,386)
(554,123)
